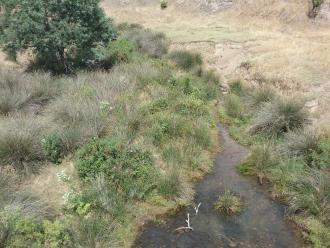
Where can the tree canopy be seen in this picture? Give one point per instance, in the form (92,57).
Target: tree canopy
(61,33)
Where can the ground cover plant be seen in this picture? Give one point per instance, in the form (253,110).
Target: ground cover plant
(121,145)
(286,152)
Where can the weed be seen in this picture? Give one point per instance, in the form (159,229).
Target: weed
(53,147)
(169,185)
(236,87)
(163,4)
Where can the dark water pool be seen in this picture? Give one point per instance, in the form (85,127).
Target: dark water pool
(261,224)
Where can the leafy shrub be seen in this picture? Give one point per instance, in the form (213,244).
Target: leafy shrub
(229,204)
(154,44)
(118,51)
(163,4)
(20,141)
(301,143)
(278,117)
(17,230)
(185,60)
(60,38)
(53,147)
(130,170)
(234,106)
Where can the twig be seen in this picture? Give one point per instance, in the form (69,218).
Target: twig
(197,208)
(188,227)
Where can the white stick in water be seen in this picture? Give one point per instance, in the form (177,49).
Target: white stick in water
(197,208)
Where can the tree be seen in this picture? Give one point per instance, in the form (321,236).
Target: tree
(61,33)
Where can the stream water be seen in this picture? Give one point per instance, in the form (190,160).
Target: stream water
(261,224)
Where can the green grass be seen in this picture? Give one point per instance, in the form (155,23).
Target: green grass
(229,204)
(287,153)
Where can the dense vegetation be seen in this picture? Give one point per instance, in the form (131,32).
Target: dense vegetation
(139,135)
(286,152)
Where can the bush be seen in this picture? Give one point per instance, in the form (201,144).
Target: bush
(61,39)
(262,158)
(163,4)
(154,44)
(130,170)
(234,106)
(229,204)
(186,60)
(282,116)
(53,147)
(20,141)
(118,51)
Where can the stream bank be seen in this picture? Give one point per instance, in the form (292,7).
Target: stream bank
(261,224)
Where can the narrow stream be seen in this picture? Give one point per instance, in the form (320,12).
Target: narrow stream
(261,224)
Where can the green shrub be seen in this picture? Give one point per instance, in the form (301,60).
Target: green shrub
(319,234)
(60,38)
(317,3)
(186,60)
(17,230)
(118,51)
(163,4)
(229,204)
(234,106)
(191,106)
(130,170)
(280,116)
(53,147)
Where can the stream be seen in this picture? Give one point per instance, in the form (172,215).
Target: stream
(261,224)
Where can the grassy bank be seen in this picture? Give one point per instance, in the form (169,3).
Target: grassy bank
(118,147)
(286,151)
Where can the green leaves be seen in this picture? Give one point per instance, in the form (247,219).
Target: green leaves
(56,31)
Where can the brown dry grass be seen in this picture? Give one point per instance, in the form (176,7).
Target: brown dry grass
(276,37)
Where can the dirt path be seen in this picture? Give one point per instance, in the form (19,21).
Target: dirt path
(261,224)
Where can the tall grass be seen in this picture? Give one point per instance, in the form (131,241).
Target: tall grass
(186,60)
(280,116)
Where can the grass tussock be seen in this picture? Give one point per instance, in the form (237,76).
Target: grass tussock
(229,204)
(186,60)
(279,117)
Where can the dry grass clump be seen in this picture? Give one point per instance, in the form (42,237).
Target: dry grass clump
(17,90)
(234,106)
(20,141)
(280,116)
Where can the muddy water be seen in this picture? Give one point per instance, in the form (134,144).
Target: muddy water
(261,224)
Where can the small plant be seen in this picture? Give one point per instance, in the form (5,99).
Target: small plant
(163,4)
(244,168)
(229,204)
(186,60)
(130,170)
(53,148)
(234,106)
